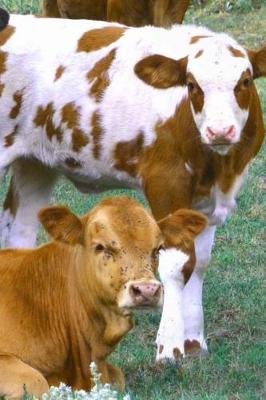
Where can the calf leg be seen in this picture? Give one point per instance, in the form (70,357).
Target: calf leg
(170,336)
(192,294)
(30,189)
(113,375)
(14,374)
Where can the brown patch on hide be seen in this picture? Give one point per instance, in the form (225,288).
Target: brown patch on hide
(10,139)
(191,346)
(3,58)
(195,39)
(17,97)
(96,39)
(96,134)
(235,52)
(59,72)
(79,139)
(243,90)
(6,34)
(44,117)
(99,74)
(126,154)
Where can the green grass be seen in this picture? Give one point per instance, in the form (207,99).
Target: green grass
(234,299)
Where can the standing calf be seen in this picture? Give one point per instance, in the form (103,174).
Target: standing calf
(69,302)
(128,12)
(177,116)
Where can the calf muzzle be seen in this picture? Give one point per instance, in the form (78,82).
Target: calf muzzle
(145,293)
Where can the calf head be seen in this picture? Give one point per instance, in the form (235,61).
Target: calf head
(219,75)
(120,242)
(4,18)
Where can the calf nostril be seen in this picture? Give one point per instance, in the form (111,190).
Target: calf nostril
(210,133)
(230,132)
(135,290)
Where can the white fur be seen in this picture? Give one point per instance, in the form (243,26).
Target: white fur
(220,109)
(192,294)
(170,335)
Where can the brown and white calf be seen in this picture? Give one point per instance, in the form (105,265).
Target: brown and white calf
(69,302)
(129,12)
(174,112)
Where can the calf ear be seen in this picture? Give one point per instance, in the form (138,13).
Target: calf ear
(162,72)
(258,61)
(61,224)
(4,18)
(181,228)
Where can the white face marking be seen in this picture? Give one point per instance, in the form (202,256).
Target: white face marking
(217,71)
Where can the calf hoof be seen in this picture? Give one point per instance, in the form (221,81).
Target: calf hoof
(193,348)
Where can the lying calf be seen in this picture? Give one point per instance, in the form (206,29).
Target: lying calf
(68,303)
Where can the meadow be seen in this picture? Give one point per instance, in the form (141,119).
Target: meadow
(234,296)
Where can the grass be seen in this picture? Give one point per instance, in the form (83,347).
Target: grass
(234,299)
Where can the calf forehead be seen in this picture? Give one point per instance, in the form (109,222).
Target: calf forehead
(128,226)
(218,60)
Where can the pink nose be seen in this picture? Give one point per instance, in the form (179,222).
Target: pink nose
(221,136)
(145,293)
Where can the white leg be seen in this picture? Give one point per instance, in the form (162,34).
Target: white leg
(30,189)
(170,336)
(192,294)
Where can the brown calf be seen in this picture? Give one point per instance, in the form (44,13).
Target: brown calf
(69,302)
(129,12)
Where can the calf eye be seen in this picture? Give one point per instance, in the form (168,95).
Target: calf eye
(99,248)
(191,86)
(155,253)
(246,82)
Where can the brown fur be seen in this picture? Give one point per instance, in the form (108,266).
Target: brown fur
(191,346)
(59,72)
(59,302)
(183,188)
(2,86)
(196,95)
(17,97)
(70,115)
(160,71)
(236,52)
(199,53)
(79,139)
(99,71)
(242,92)
(127,154)
(95,39)
(195,39)
(3,58)
(96,134)
(44,116)
(10,139)
(128,12)
(258,60)
(6,34)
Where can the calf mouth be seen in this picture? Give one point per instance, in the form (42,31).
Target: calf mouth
(221,149)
